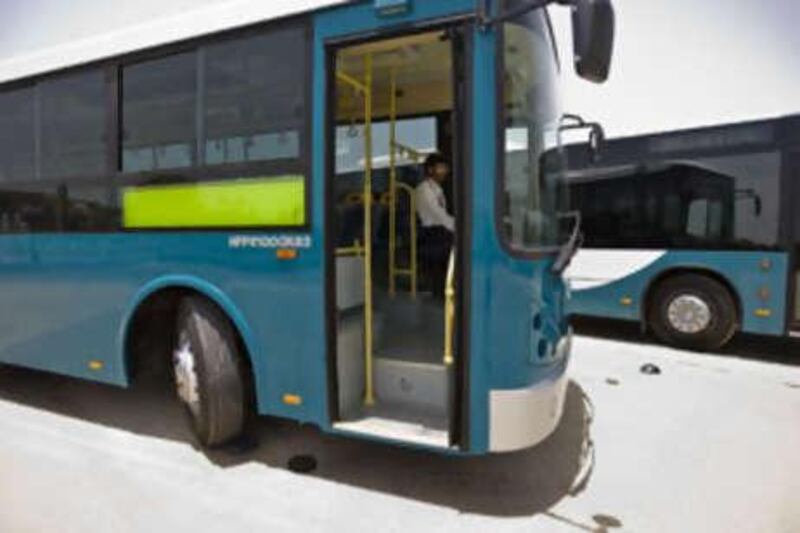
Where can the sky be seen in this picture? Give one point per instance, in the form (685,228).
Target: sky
(677,64)
(687,63)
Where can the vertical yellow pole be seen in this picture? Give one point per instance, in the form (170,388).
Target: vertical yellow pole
(369,395)
(393,183)
(449,309)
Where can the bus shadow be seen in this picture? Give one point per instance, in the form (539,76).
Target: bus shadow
(518,484)
(780,350)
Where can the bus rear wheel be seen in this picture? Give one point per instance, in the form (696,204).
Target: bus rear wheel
(208,372)
(693,311)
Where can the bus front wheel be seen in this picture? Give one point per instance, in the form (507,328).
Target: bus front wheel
(208,373)
(693,311)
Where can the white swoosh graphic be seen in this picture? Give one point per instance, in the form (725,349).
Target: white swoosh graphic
(594,268)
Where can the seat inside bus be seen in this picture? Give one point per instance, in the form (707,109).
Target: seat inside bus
(410,380)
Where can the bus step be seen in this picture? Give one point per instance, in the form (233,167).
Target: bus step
(390,422)
(413,385)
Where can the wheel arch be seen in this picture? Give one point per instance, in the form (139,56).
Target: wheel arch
(173,288)
(650,289)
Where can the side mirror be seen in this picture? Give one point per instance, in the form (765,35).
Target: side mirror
(597,136)
(597,141)
(593,38)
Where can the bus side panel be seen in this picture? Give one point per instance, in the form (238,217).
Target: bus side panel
(747,272)
(66,304)
(60,305)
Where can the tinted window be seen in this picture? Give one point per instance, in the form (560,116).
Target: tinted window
(87,207)
(255,97)
(73,111)
(28,209)
(17,144)
(158,113)
(36,207)
(715,203)
(792,171)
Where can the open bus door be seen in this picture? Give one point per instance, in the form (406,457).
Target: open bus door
(397,363)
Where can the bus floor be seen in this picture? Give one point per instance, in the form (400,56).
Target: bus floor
(412,384)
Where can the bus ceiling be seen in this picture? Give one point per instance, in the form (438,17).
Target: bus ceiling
(592,30)
(419,67)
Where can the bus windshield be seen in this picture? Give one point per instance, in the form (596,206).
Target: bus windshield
(532,176)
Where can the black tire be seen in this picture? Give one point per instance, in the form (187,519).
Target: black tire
(721,325)
(221,411)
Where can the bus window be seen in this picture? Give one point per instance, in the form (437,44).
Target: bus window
(17,138)
(73,124)
(253,108)
(158,113)
(697,221)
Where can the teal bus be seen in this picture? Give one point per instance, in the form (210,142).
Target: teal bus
(694,233)
(231,195)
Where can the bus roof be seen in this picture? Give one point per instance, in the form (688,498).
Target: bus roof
(750,136)
(221,16)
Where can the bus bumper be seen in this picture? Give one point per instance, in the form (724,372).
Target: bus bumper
(521,418)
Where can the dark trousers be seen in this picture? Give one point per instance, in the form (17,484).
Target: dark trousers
(436,242)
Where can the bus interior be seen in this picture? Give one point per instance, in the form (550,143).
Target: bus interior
(394,363)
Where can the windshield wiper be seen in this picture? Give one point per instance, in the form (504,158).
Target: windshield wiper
(571,247)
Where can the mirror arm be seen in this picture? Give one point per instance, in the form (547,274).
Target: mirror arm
(485,20)
(577,120)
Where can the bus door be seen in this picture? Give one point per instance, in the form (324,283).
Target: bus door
(395,295)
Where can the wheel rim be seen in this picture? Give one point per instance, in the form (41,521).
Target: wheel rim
(689,314)
(186,382)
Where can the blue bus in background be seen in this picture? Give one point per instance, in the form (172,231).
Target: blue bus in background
(203,197)
(693,233)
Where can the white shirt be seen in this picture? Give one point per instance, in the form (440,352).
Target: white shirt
(432,205)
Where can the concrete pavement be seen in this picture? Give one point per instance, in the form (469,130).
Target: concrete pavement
(711,444)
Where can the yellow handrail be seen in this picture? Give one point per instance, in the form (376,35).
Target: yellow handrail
(356,249)
(449,309)
(357,85)
(394,146)
(412,269)
(365,89)
(369,393)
